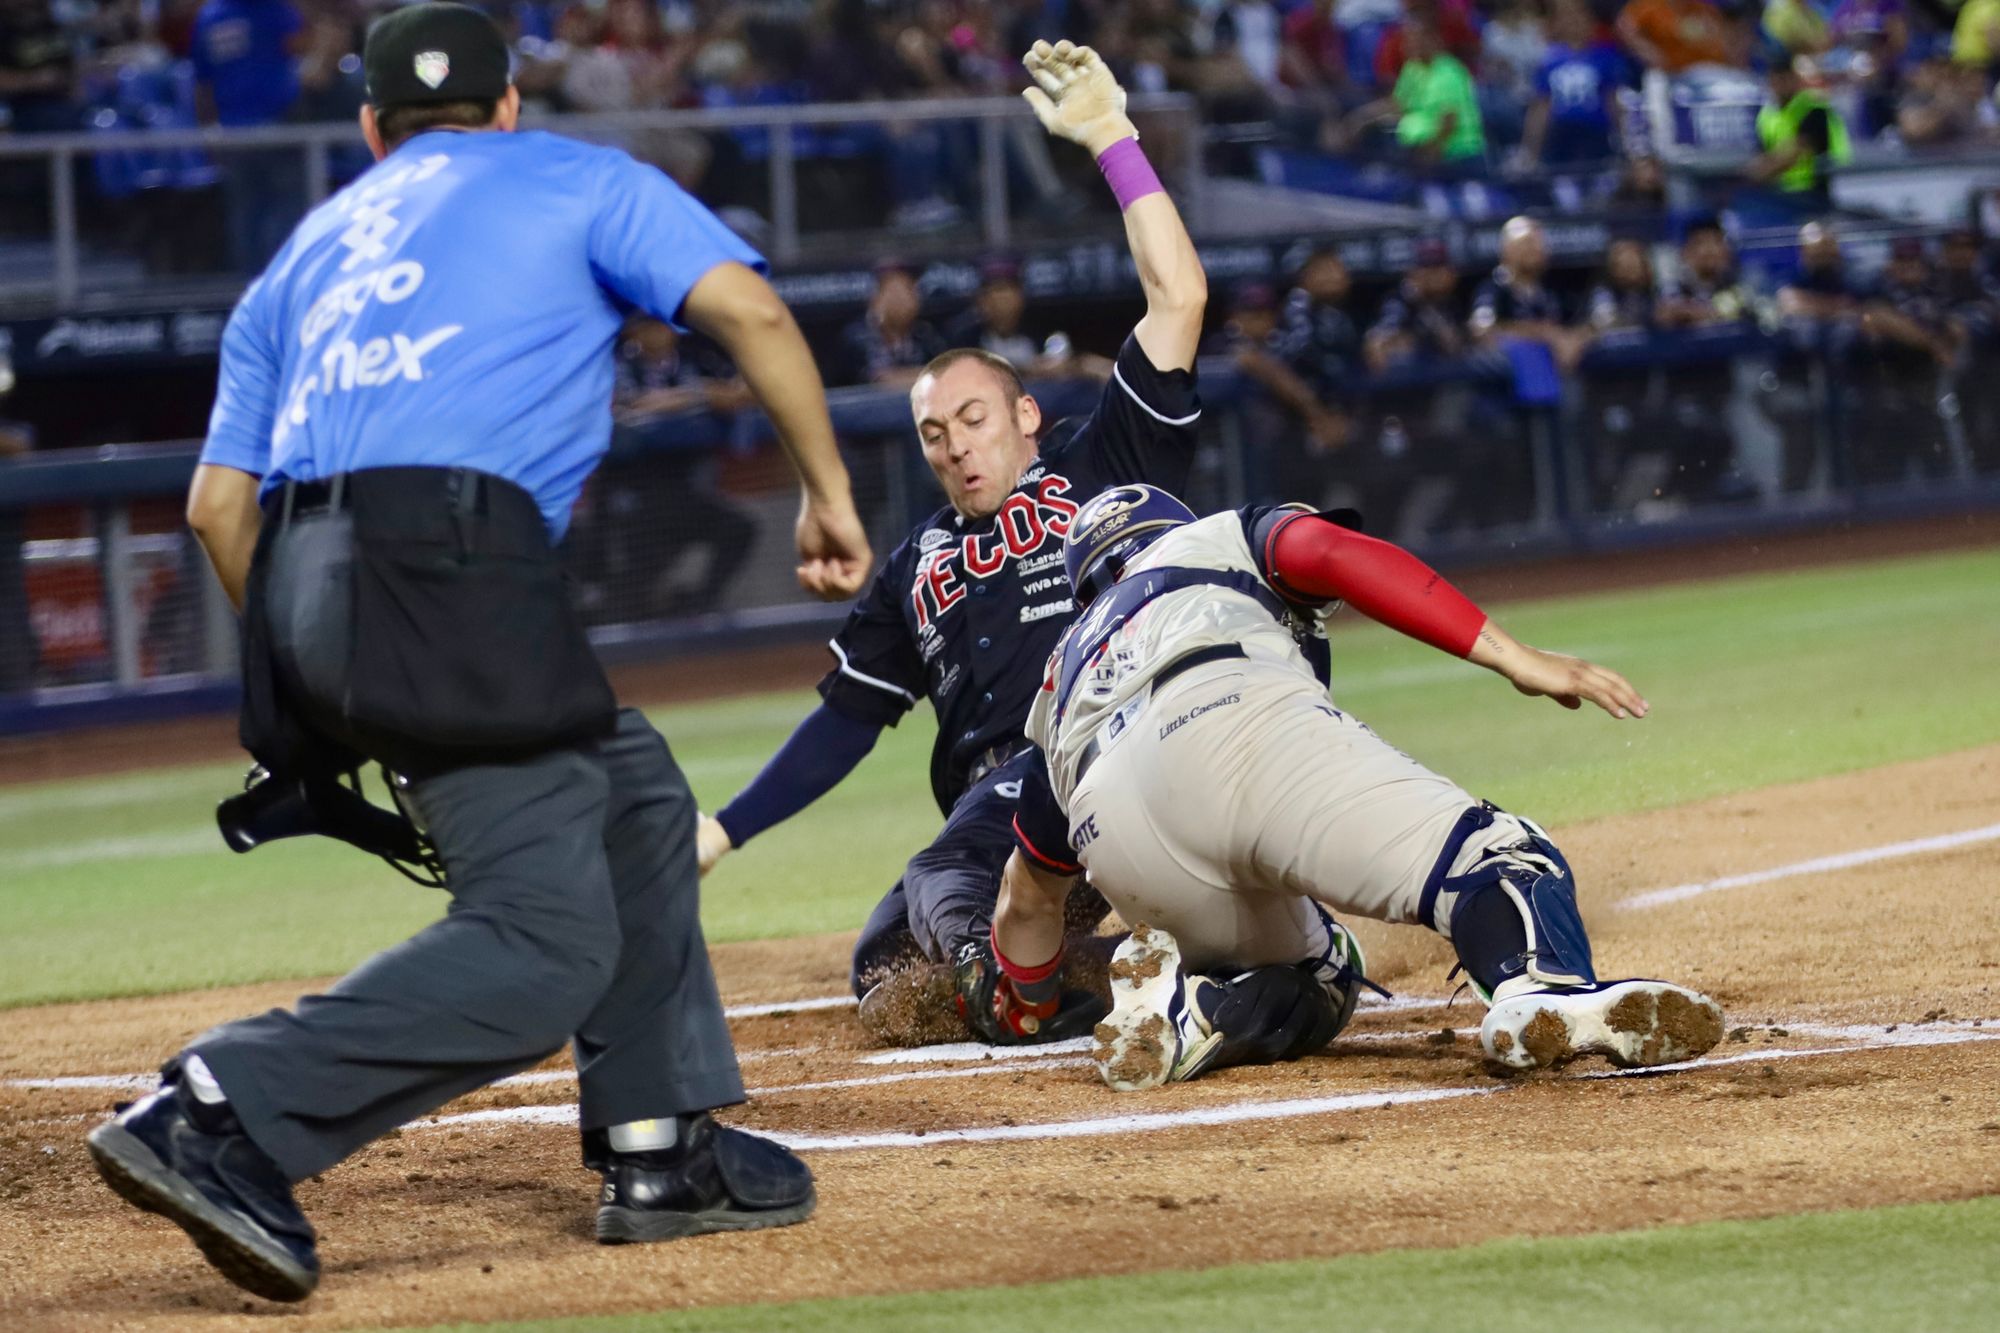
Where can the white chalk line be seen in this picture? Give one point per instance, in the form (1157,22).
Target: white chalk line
(972,1050)
(790,1006)
(1816,866)
(1240,1112)
(533,1078)
(946,1053)
(978,1050)
(1893,1041)
(1857,1039)
(1060,1055)
(565,1113)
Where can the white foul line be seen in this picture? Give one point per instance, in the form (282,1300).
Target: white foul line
(1890,1041)
(1818,865)
(974,1050)
(565,1114)
(790,1006)
(1231,1112)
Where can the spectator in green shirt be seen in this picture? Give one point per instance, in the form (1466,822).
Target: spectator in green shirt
(1435,106)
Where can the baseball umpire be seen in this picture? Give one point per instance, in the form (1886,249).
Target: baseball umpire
(965,611)
(410,400)
(1196,766)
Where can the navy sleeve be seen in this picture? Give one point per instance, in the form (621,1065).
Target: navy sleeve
(651,241)
(1144,426)
(821,750)
(1041,829)
(878,674)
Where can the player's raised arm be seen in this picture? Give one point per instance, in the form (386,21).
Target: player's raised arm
(1076,98)
(1310,559)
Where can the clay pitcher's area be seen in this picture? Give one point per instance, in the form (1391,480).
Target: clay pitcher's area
(1861,980)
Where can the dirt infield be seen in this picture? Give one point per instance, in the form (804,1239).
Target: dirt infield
(1861,1069)
(689,679)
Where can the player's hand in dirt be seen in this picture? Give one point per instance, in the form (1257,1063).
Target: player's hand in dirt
(711,842)
(833,549)
(1076,97)
(1568,680)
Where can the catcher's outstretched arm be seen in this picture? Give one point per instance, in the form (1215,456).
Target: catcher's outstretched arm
(1028,917)
(1076,98)
(1312,559)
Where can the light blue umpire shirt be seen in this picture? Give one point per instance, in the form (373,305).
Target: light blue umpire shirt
(456,307)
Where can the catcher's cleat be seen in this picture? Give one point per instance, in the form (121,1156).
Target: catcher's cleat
(714,1179)
(1634,1024)
(1156,1032)
(193,1165)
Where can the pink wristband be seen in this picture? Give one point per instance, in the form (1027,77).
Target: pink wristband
(1129,174)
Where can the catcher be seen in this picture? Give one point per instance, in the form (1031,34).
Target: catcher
(1196,766)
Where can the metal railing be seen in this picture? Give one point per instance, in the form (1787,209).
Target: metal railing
(683,536)
(993,118)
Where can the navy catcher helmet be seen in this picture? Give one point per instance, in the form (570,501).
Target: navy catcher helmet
(1111,529)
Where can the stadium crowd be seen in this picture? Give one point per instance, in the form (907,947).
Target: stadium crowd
(1406,395)
(1413,393)
(1537,81)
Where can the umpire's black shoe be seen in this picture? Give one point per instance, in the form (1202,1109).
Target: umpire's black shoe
(714,1179)
(193,1165)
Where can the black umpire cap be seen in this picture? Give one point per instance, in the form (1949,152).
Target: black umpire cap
(435,53)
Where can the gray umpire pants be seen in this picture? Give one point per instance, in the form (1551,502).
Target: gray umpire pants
(574,916)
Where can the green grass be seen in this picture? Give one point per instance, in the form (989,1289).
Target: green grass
(115,886)
(1928,1266)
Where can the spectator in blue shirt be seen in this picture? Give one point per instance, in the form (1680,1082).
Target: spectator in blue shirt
(246,61)
(1574,118)
(246,65)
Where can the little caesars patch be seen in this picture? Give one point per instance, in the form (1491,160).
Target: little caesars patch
(1197,711)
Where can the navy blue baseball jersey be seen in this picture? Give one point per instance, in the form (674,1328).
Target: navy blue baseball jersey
(965,612)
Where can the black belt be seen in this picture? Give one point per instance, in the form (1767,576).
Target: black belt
(1220,652)
(308,499)
(462,490)
(1199,657)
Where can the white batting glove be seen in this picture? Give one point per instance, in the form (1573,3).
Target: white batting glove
(711,842)
(1077,98)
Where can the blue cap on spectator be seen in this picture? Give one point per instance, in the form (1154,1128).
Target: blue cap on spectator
(1432,251)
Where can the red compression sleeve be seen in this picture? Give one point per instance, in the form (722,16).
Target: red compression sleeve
(1022,974)
(1313,558)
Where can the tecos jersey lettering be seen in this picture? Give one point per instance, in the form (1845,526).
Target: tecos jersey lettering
(966,612)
